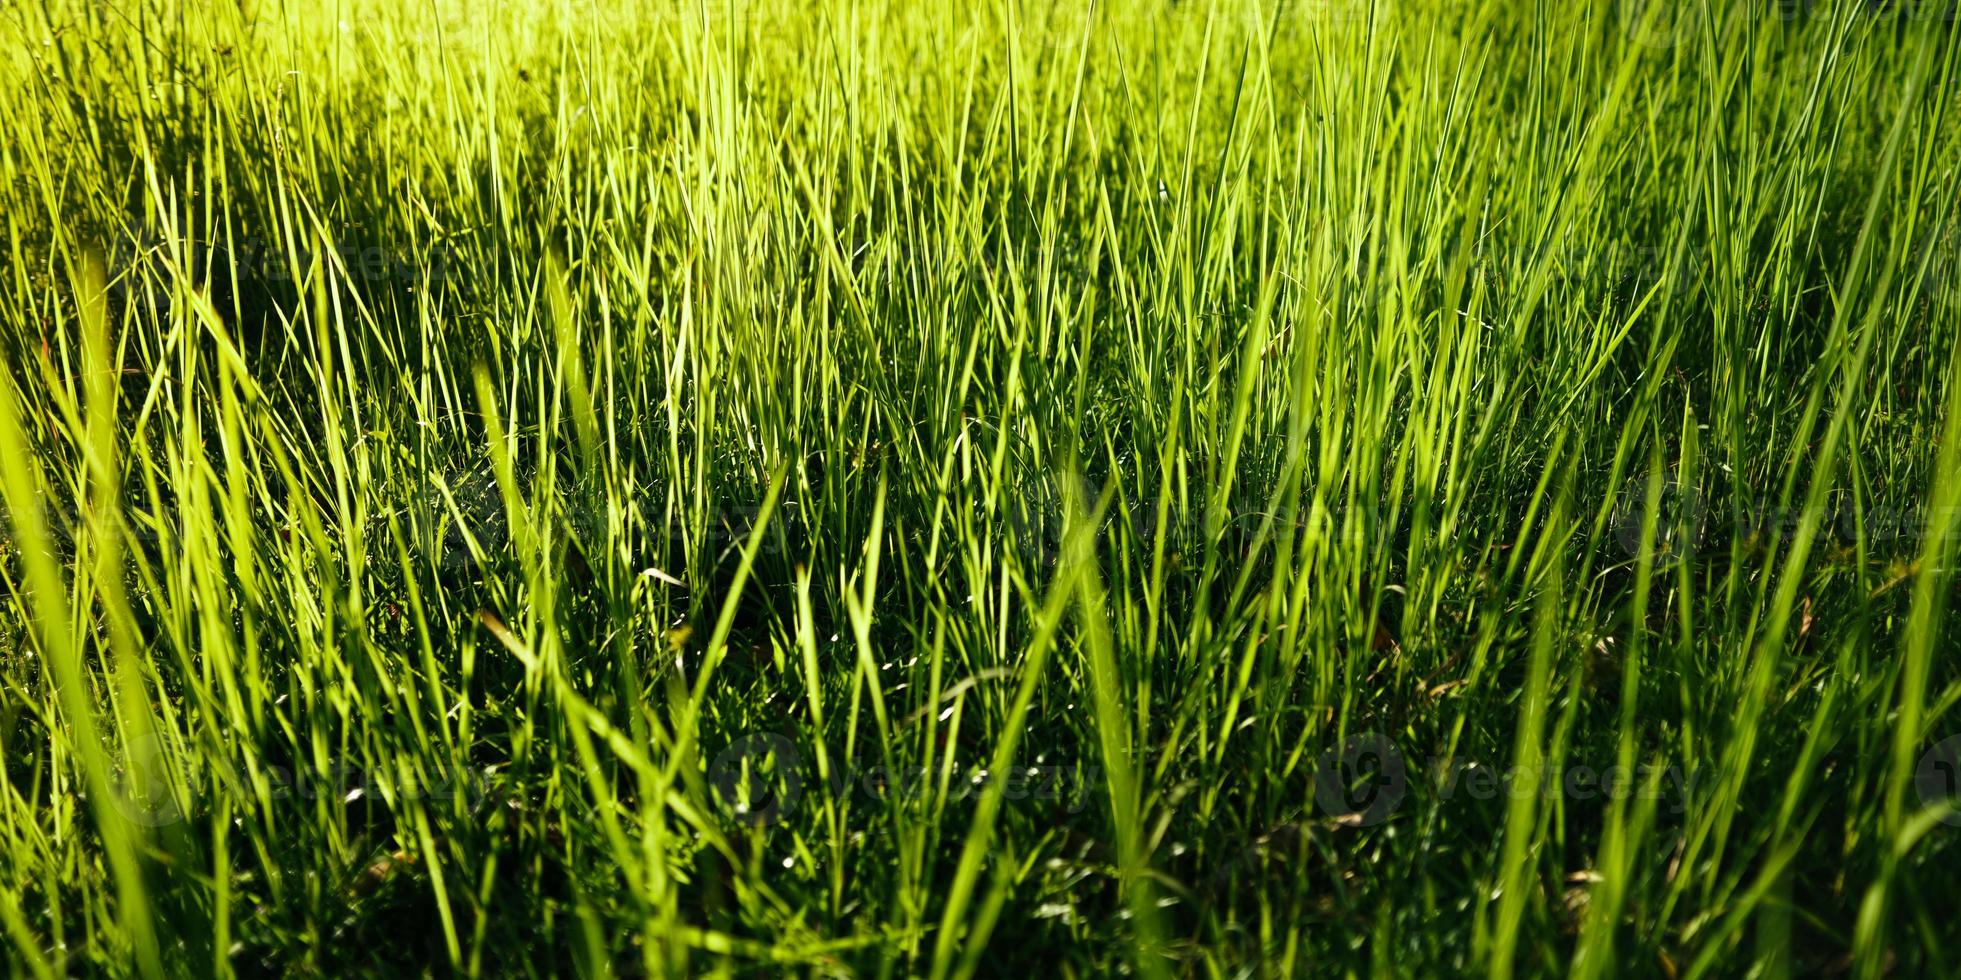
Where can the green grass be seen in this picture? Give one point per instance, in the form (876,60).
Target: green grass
(1215,488)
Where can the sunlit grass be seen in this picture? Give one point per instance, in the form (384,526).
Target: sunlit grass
(1190,489)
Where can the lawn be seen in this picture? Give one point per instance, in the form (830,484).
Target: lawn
(1213,488)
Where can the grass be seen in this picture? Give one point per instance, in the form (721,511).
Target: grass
(1215,488)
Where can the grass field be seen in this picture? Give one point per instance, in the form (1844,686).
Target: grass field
(1210,488)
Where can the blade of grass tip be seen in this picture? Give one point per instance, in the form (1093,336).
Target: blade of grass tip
(572,365)
(686,731)
(153,782)
(26,943)
(1593,955)
(1923,631)
(1218,505)
(105,503)
(501,438)
(1113,731)
(858,610)
(1767,651)
(1516,864)
(980,831)
(21,490)
(806,641)
(583,720)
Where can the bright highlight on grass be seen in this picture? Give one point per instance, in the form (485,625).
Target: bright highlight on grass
(1214,488)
